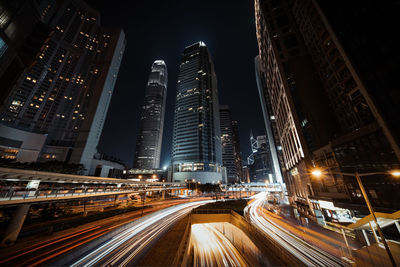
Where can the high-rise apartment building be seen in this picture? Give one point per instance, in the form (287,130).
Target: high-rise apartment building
(149,139)
(197,133)
(23,32)
(65,94)
(227,141)
(237,151)
(344,120)
(299,106)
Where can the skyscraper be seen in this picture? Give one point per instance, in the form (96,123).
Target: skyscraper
(23,30)
(197,135)
(237,151)
(350,71)
(299,106)
(149,139)
(65,94)
(227,141)
(260,170)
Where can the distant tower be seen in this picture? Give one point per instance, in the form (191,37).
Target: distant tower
(149,138)
(236,150)
(228,153)
(197,136)
(254,146)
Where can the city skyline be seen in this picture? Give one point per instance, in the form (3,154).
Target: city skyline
(278,143)
(119,134)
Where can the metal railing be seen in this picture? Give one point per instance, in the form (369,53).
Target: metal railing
(6,195)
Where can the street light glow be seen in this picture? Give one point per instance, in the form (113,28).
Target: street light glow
(316,173)
(395,173)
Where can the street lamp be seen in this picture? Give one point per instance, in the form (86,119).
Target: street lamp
(396,173)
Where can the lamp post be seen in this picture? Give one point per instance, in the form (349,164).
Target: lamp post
(318,173)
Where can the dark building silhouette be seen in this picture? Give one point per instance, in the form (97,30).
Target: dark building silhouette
(228,146)
(197,133)
(149,139)
(23,31)
(237,151)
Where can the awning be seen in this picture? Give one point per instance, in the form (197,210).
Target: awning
(384,219)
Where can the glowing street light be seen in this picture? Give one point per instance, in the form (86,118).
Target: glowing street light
(316,173)
(396,173)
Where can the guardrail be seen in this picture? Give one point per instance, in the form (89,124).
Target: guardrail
(54,193)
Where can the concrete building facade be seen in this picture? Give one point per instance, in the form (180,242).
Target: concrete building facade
(66,92)
(303,119)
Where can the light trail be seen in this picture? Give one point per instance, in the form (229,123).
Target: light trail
(303,251)
(124,248)
(43,251)
(212,248)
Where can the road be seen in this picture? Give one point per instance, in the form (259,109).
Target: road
(40,250)
(126,247)
(212,248)
(308,254)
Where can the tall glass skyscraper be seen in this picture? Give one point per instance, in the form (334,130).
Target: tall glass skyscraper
(197,135)
(149,139)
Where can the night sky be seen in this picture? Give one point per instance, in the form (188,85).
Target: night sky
(161,30)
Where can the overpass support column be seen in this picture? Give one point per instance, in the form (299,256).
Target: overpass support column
(116,197)
(163,195)
(15,225)
(397,226)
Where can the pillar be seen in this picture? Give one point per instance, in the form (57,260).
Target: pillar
(373,231)
(163,195)
(116,197)
(366,237)
(397,226)
(15,225)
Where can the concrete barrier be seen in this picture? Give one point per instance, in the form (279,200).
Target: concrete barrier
(274,252)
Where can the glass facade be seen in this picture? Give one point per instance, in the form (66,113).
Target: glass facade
(149,139)
(197,137)
(3,47)
(228,153)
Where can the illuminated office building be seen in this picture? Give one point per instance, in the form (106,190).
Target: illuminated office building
(197,135)
(149,139)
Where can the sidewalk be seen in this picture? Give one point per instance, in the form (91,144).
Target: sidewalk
(312,233)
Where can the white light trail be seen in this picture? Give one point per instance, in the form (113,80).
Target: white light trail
(122,248)
(303,251)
